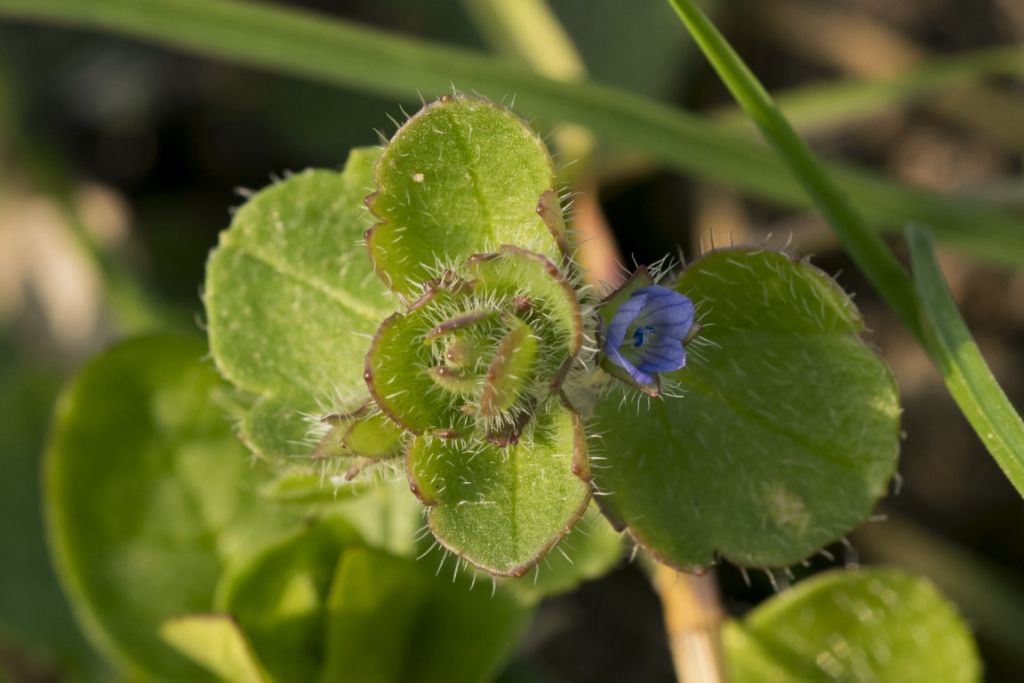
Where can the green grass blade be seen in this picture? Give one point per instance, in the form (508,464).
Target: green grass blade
(827,106)
(929,311)
(311,46)
(866,248)
(967,376)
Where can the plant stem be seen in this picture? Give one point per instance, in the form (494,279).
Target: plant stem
(693,619)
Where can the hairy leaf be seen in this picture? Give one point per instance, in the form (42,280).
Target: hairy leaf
(587,552)
(462,176)
(291,300)
(500,508)
(784,431)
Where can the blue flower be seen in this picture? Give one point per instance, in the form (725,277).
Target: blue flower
(646,333)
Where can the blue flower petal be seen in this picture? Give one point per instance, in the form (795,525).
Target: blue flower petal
(623,318)
(638,375)
(664,355)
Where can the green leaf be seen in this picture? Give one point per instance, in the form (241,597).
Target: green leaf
(149,495)
(316,47)
(510,370)
(278,597)
(308,486)
(274,430)
(383,511)
(386,514)
(502,509)
(479,350)
(291,300)
(395,621)
(374,436)
(318,605)
(462,176)
(394,364)
(785,434)
(548,296)
(216,642)
(587,552)
(967,376)
(867,626)
(947,339)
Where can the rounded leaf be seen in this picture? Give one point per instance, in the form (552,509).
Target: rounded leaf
(865,626)
(149,494)
(462,176)
(589,551)
(502,509)
(777,438)
(291,298)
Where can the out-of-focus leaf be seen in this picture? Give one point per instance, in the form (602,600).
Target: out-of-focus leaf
(149,495)
(278,598)
(867,626)
(216,642)
(326,49)
(320,605)
(395,621)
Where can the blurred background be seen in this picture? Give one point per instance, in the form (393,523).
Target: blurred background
(120,162)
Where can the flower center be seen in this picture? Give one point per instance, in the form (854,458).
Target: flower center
(640,333)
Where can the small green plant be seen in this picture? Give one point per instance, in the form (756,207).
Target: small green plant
(492,381)
(425,389)
(726,409)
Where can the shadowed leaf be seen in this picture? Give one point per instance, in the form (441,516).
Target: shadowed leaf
(785,433)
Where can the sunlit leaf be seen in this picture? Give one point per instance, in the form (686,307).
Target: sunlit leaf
(292,299)
(216,642)
(462,176)
(396,621)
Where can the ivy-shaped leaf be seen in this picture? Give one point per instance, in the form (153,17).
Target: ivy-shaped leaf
(291,300)
(149,496)
(777,437)
(866,626)
(462,176)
